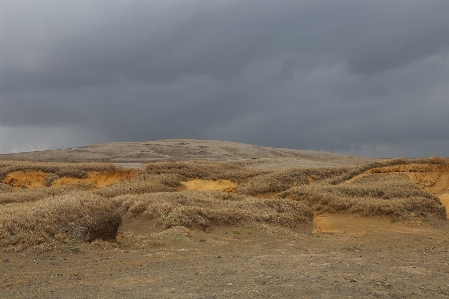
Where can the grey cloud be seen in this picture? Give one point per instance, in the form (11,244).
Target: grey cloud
(341,76)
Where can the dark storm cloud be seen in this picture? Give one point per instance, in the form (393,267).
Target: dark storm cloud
(332,75)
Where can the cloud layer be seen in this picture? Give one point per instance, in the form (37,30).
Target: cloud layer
(368,78)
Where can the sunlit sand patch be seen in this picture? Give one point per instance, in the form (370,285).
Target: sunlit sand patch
(210,185)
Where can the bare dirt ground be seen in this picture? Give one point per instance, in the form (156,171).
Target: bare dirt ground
(344,258)
(338,256)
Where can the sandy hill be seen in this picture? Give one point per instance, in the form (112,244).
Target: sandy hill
(128,153)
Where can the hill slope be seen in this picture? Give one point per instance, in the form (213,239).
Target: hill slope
(188,149)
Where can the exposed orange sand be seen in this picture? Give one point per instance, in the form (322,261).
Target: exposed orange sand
(433,182)
(29,179)
(210,185)
(37,179)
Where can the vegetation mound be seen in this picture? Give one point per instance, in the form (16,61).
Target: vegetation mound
(205,210)
(221,194)
(78,216)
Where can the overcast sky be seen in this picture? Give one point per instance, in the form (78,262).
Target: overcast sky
(361,77)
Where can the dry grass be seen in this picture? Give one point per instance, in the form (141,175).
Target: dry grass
(73,170)
(76,216)
(40,219)
(31,195)
(209,209)
(202,170)
(278,181)
(392,195)
(5,188)
(141,184)
(388,163)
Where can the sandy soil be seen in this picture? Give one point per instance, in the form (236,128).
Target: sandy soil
(206,185)
(345,257)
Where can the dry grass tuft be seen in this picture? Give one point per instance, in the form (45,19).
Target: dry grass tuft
(143,183)
(40,219)
(73,170)
(202,170)
(393,195)
(76,216)
(209,209)
(31,195)
(388,163)
(278,181)
(5,188)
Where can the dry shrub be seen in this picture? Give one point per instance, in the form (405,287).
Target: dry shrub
(73,170)
(76,216)
(388,163)
(209,209)
(51,177)
(202,170)
(5,188)
(143,183)
(282,180)
(392,195)
(30,195)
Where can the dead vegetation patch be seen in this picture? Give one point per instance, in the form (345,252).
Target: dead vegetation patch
(202,170)
(374,195)
(376,167)
(141,184)
(208,209)
(78,216)
(32,195)
(278,181)
(204,195)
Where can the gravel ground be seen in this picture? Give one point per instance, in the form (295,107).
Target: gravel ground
(376,259)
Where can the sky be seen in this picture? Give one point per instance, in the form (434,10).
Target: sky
(367,78)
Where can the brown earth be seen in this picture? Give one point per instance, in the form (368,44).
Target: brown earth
(339,256)
(350,258)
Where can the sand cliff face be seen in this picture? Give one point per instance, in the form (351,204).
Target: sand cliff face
(40,179)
